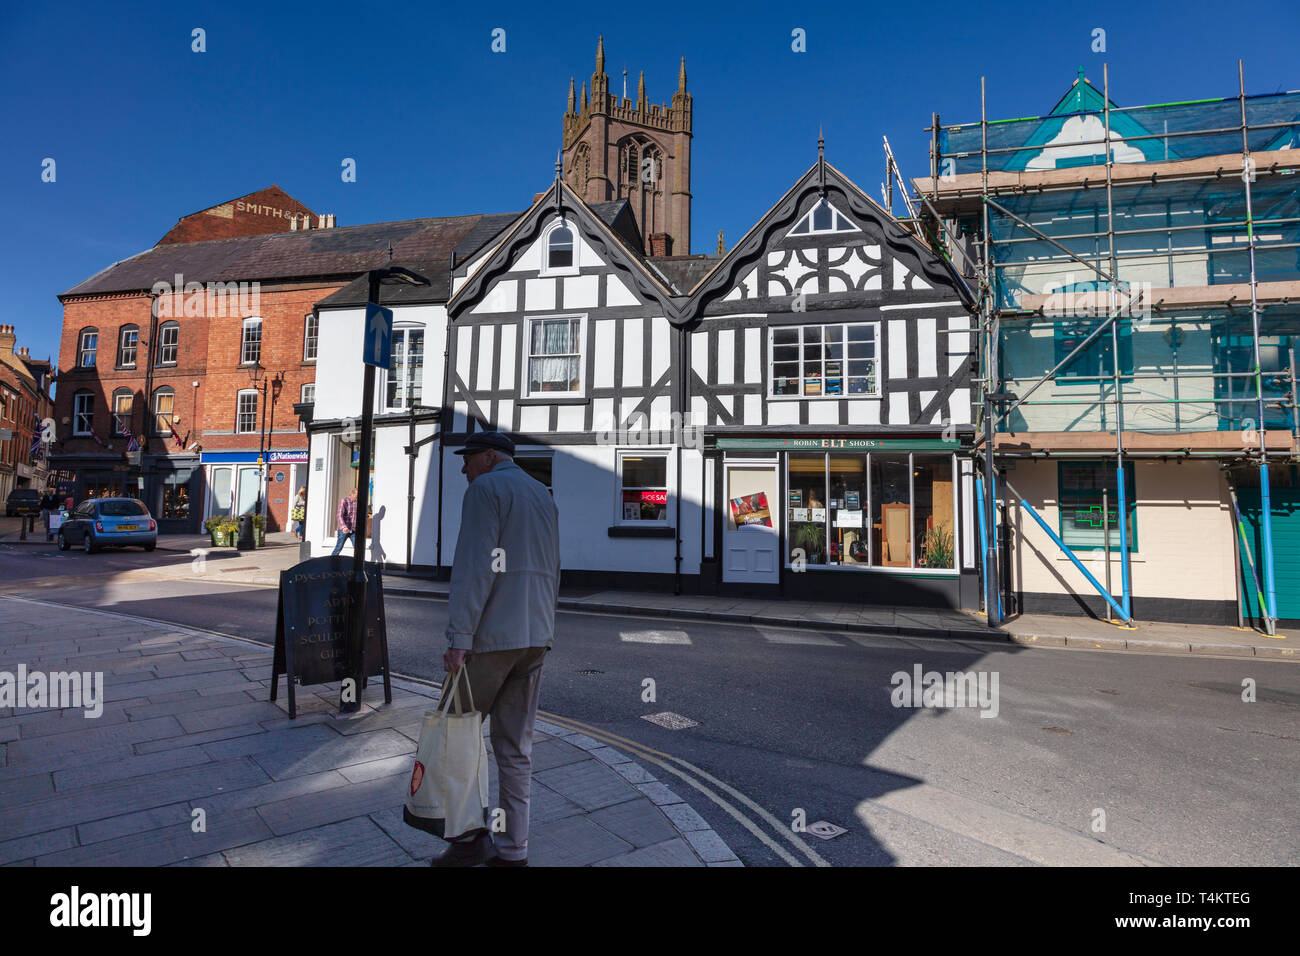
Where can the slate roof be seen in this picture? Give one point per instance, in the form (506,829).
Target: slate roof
(685,271)
(343,251)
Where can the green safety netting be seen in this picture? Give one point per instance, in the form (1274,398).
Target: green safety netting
(1139,134)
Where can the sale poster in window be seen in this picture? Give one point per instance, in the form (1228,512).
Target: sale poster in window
(645,505)
(751,509)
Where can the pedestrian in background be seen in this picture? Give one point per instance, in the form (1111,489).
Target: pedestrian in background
(505,581)
(299,513)
(347,521)
(48,505)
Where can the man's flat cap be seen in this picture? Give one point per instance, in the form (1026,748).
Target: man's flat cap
(481,441)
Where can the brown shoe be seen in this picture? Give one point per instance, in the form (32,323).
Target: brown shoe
(467,852)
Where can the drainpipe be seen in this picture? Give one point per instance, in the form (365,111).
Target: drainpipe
(681,407)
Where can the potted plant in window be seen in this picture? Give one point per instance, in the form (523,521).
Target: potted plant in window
(812,539)
(936,548)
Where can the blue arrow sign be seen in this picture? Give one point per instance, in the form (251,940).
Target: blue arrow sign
(377,343)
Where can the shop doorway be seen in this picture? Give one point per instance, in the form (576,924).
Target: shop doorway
(751,526)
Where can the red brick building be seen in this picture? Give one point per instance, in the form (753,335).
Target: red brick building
(24,401)
(196,352)
(261,213)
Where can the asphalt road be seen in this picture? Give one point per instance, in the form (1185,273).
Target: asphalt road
(1160,750)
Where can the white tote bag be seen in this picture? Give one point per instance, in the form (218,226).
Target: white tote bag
(449,785)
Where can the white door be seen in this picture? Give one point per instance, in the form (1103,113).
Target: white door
(751,526)
(221,490)
(247,489)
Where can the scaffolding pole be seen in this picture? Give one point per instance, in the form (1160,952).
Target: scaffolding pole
(1266,519)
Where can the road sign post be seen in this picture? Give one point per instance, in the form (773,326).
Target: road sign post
(376,352)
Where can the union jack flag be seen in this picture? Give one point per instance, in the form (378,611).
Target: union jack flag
(179,442)
(38,434)
(95,435)
(132,444)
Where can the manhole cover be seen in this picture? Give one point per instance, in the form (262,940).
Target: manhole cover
(670,720)
(588,672)
(825,830)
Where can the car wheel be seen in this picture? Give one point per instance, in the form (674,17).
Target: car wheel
(63,542)
(88,543)
(150,547)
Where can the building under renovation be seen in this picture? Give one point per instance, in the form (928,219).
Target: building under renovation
(1138,274)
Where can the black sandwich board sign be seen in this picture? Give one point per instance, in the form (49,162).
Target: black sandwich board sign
(311,637)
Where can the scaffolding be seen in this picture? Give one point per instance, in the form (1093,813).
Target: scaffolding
(1102,242)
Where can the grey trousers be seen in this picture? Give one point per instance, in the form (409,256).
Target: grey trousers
(506,685)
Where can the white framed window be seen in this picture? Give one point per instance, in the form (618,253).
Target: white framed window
(87,347)
(555,357)
(164,405)
(83,413)
(123,401)
(642,488)
(128,340)
(406,369)
(308,397)
(250,349)
(169,336)
(310,336)
(246,412)
(824,361)
(823,218)
(560,250)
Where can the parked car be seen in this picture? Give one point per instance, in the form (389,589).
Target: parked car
(23,501)
(109,523)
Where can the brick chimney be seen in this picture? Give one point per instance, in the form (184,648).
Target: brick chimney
(7,339)
(661,244)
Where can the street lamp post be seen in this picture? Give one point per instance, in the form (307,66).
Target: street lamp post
(390,275)
(257,374)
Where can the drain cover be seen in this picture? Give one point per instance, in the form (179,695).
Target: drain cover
(588,672)
(670,720)
(825,830)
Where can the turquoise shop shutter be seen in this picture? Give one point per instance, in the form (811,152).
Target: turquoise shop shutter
(1286,549)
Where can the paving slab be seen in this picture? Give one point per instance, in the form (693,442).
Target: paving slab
(187,727)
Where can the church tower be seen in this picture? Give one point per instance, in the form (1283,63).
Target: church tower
(615,148)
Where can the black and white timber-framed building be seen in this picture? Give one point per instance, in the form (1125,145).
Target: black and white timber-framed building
(786,424)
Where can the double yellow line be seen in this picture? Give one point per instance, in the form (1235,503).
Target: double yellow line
(701,781)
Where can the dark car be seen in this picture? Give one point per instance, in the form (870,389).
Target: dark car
(109,523)
(23,501)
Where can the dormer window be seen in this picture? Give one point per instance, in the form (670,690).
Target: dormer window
(823,218)
(559,249)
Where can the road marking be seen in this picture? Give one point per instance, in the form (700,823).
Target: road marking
(670,721)
(666,761)
(783,636)
(654,637)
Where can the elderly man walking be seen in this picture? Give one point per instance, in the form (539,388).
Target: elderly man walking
(505,580)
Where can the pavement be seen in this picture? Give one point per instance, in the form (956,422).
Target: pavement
(263,566)
(189,763)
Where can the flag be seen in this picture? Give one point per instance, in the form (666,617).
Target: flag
(38,436)
(132,444)
(95,435)
(179,443)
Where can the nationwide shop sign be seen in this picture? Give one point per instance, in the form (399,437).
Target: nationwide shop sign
(311,632)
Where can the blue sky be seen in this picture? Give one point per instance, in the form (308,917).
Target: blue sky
(143,130)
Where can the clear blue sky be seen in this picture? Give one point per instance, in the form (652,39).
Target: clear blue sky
(143,130)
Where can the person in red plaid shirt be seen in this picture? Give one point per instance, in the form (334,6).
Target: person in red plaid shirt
(347,526)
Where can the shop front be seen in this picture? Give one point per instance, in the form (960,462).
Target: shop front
(862,519)
(233,482)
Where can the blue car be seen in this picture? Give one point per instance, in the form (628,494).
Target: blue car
(109,523)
